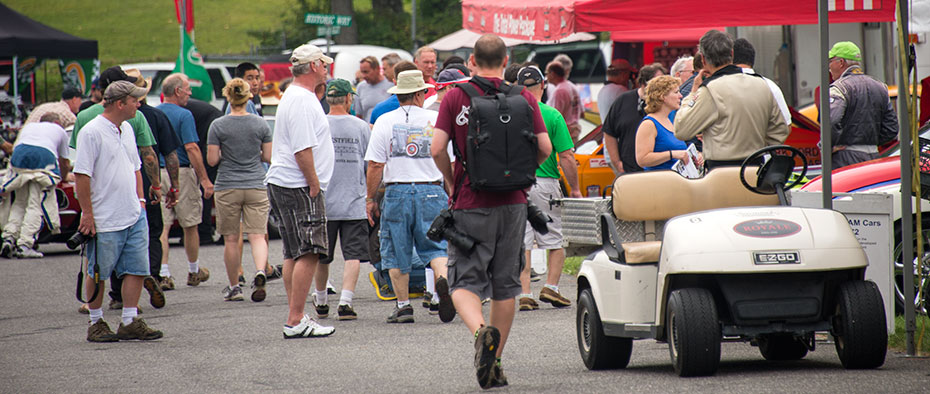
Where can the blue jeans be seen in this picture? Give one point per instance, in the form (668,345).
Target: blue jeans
(31,157)
(124,251)
(406,214)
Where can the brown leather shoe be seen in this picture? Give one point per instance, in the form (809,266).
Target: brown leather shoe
(553,297)
(137,330)
(194,279)
(167,283)
(100,332)
(156,294)
(528,304)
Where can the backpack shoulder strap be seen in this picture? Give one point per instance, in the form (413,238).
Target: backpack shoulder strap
(470,90)
(512,90)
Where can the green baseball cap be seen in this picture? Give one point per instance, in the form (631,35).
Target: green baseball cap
(338,88)
(846,50)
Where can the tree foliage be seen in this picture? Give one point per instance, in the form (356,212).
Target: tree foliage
(385,22)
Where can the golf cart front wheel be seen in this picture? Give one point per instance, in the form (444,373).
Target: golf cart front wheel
(859,329)
(598,351)
(693,332)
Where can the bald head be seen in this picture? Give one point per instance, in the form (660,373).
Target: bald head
(490,51)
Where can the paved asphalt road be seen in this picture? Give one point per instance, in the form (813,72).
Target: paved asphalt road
(216,346)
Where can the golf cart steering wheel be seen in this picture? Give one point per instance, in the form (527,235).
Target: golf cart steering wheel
(775,173)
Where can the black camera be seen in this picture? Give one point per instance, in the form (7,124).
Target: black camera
(77,240)
(537,218)
(443,228)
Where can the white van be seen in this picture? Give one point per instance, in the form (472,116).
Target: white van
(347,57)
(220,73)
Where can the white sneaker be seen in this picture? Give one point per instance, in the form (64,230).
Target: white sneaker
(307,328)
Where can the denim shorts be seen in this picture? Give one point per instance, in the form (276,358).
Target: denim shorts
(125,251)
(407,212)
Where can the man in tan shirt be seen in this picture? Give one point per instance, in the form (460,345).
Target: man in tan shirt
(734,111)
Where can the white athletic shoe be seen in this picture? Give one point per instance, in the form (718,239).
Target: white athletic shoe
(308,328)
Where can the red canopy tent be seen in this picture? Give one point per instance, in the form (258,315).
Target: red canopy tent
(551,20)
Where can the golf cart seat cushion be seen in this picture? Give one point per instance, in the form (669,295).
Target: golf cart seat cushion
(661,195)
(641,252)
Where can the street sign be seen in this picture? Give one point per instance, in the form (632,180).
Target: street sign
(324,30)
(328,19)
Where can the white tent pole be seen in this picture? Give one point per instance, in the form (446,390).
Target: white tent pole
(826,137)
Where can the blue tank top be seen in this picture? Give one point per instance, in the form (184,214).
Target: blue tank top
(665,141)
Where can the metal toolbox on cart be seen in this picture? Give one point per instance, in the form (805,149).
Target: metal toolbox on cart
(581,226)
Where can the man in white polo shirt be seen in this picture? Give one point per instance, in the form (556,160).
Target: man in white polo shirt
(109,186)
(302,161)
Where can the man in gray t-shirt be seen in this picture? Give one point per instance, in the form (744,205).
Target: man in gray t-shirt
(346,216)
(372,90)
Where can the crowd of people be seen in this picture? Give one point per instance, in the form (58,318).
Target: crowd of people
(381,158)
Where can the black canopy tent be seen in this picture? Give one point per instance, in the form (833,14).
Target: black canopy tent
(21,37)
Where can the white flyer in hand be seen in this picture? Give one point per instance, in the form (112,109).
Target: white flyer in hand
(691,169)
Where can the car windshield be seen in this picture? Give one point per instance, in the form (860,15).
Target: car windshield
(587,148)
(924,132)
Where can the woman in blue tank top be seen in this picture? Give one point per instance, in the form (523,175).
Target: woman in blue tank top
(656,145)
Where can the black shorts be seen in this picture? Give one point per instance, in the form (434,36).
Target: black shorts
(353,238)
(301,220)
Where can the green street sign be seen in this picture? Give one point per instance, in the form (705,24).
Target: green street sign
(328,19)
(322,31)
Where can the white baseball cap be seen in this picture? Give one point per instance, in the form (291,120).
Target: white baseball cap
(307,53)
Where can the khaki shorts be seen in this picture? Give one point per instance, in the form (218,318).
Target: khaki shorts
(248,206)
(189,209)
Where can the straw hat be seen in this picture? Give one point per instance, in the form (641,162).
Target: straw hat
(409,82)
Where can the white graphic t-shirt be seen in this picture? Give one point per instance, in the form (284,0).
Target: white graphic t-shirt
(401,139)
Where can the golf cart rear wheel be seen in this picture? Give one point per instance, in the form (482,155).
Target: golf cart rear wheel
(693,332)
(859,326)
(598,351)
(782,347)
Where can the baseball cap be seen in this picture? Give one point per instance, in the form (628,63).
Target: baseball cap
(450,76)
(529,76)
(846,50)
(461,67)
(114,74)
(71,92)
(121,89)
(307,53)
(339,88)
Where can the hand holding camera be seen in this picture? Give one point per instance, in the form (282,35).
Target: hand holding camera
(537,218)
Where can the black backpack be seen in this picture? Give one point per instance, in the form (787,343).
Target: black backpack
(500,146)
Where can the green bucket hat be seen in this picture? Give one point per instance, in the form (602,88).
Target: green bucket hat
(338,88)
(846,50)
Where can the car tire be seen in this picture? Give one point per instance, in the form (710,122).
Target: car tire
(693,332)
(920,305)
(859,329)
(598,351)
(782,347)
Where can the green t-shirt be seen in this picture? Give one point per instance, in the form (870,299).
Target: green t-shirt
(561,141)
(139,126)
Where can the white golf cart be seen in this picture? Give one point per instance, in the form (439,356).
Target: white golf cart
(718,257)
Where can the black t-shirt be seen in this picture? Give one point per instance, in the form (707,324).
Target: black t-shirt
(204,115)
(85,105)
(622,120)
(166,141)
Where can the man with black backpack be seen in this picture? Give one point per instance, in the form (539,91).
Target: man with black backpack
(499,139)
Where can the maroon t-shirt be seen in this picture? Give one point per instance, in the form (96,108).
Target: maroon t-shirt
(453,119)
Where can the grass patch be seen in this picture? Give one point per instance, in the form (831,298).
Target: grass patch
(572,265)
(897,341)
